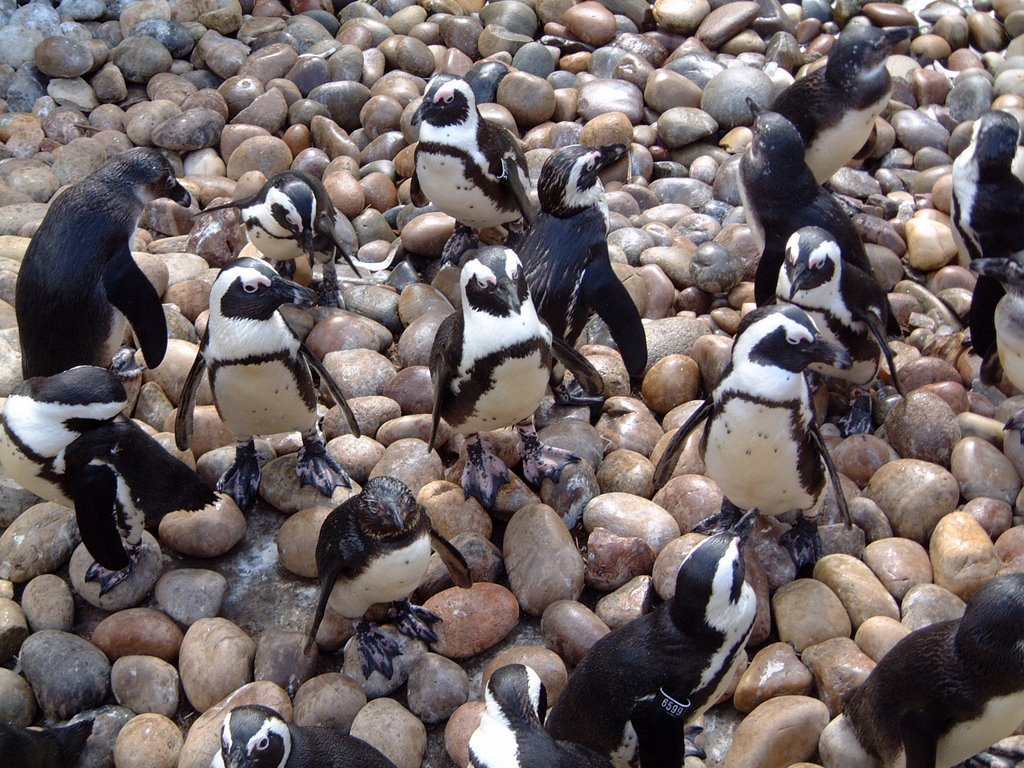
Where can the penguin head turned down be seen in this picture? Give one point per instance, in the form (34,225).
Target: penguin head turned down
(813,259)
(250,289)
(570,178)
(995,140)
(516,695)
(776,152)
(992,628)
(386,508)
(148,172)
(448,100)
(493,282)
(861,51)
(784,337)
(254,736)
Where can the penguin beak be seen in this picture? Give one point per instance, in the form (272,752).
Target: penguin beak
(893,36)
(798,281)
(823,352)
(508,292)
(1007,270)
(180,195)
(745,524)
(290,293)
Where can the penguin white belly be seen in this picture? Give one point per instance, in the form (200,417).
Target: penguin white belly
(281,248)
(755,225)
(443,180)
(260,399)
(116,335)
(751,455)
(519,386)
(998,720)
(25,472)
(834,146)
(493,744)
(386,578)
(1009,320)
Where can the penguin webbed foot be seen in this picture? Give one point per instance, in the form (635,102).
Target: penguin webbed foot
(803,544)
(690,746)
(573,394)
(285,268)
(858,421)
(463,239)
(483,474)
(1016,422)
(329,295)
(123,364)
(540,460)
(108,579)
(1003,754)
(414,621)
(377,651)
(318,468)
(241,481)
(723,520)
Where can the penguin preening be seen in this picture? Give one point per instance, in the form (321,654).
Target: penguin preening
(374,548)
(834,107)
(490,364)
(761,442)
(565,256)
(469,167)
(63,438)
(511,732)
(639,685)
(260,378)
(51,747)
(254,736)
(78,282)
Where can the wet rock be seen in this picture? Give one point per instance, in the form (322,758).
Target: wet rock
(878,635)
(927,604)
(808,612)
(962,554)
(541,559)
(630,516)
(67,673)
(148,741)
(838,666)
(215,659)
(13,628)
(474,619)
(329,699)
(781,731)
(861,593)
(899,564)
(614,560)
(145,684)
(914,495)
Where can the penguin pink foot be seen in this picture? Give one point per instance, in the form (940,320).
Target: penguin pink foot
(1005,754)
(377,651)
(414,621)
(108,579)
(539,460)
(241,481)
(316,467)
(123,364)
(484,472)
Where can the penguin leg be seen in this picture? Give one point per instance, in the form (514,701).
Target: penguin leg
(691,748)
(463,239)
(316,467)
(858,420)
(1004,754)
(414,620)
(516,231)
(723,520)
(242,480)
(484,472)
(572,394)
(539,460)
(285,268)
(803,543)
(377,651)
(108,579)
(1016,422)
(329,294)
(123,364)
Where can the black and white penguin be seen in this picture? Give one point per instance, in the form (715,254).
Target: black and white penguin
(292,216)
(78,281)
(565,255)
(490,364)
(761,442)
(511,732)
(51,747)
(469,167)
(260,378)
(987,182)
(639,685)
(63,438)
(254,736)
(374,548)
(944,692)
(834,107)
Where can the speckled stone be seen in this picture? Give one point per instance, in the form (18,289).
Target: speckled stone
(962,554)
(914,495)
(39,541)
(190,594)
(392,729)
(67,673)
(437,687)
(146,684)
(807,612)
(775,670)
(48,603)
(781,731)
(216,658)
(899,564)
(541,558)
(474,619)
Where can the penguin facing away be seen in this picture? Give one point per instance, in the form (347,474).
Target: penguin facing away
(51,747)
(78,282)
(374,548)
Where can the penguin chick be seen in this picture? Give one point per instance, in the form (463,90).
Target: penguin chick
(511,734)
(946,691)
(987,182)
(78,281)
(834,107)
(63,438)
(260,378)
(375,548)
(51,747)
(469,167)
(637,686)
(490,365)
(761,442)
(254,736)
(565,256)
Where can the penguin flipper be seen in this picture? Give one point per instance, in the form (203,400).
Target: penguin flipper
(667,462)
(519,191)
(604,293)
(187,402)
(94,489)
(416,192)
(452,559)
(585,373)
(830,468)
(874,324)
(920,733)
(444,360)
(510,167)
(334,552)
(130,291)
(661,739)
(982,318)
(766,278)
(332,385)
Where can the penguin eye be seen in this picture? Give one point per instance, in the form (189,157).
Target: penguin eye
(792,340)
(262,744)
(249,287)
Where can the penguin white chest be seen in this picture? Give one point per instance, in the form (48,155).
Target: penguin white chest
(25,472)
(443,180)
(999,719)
(836,144)
(261,399)
(518,385)
(392,576)
(279,247)
(1009,320)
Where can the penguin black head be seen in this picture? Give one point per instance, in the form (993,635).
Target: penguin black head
(516,695)
(784,337)
(1009,271)
(148,171)
(813,259)
(493,281)
(292,200)
(386,507)
(570,178)
(448,100)
(254,736)
(81,385)
(776,152)
(993,622)
(861,51)
(250,289)
(995,140)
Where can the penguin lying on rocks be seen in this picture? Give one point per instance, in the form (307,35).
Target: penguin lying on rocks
(260,378)
(51,747)
(63,438)
(761,442)
(469,167)
(490,364)
(375,548)
(511,734)
(639,685)
(78,281)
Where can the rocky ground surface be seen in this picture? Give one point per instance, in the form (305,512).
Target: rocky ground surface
(236,92)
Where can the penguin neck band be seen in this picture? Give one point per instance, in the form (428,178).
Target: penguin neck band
(673,707)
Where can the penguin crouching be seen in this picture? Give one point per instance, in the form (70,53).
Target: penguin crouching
(51,747)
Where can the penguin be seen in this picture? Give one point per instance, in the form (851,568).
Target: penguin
(565,255)
(469,167)
(374,548)
(761,442)
(51,747)
(63,437)
(834,107)
(640,684)
(511,734)
(490,365)
(987,182)
(947,691)
(292,216)
(254,736)
(260,378)
(78,281)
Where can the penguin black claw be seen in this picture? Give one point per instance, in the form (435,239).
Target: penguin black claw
(414,621)
(539,460)
(318,468)
(241,481)
(571,394)
(108,579)
(123,364)
(377,651)
(463,239)
(484,473)
(803,542)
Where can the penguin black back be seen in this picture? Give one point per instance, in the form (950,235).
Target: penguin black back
(52,747)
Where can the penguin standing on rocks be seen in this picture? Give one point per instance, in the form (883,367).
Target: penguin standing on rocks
(375,548)
(63,438)
(987,184)
(52,747)
(511,730)
(834,107)
(944,692)
(565,255)
(761,443)
(254,736)
(78,281)
(636,688)
(471,168)
(260,378)
(490,364)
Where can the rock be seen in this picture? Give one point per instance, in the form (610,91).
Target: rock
(138,632)
(878,635)
(129,592)
(437,687)
(546,663)
(630,516)
(983,471)
(614,560)
(778,733)
(899,564)
(281,658)
(297,539)
(67,673)
(17,704)
(928,604)
(215,659)
(861,593)
(146,684)
(13,628)
(922,426)
(838,666)
(148,741)
(542,561)
(807,612)
(914,495)
(281,488)
(962,554)
(474,619)
(393,730)
(630,601)
(774,671)
(208,532)
(39,541)
(329,699)
(190,594)
(48,603)
(571,629)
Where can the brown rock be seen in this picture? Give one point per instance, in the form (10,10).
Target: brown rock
(541,558)
(899,564)
(775,670)
(138,632)
(878,635)
(807,612)
(614,560)
(209,532)
(962,555)
(861,593)
(914,495)
(838,666)
(472,620)
(570,629)
(780,732)
(215,659)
